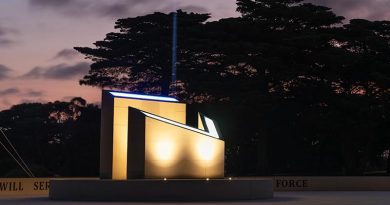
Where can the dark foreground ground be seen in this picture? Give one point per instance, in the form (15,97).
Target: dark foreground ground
(285,198)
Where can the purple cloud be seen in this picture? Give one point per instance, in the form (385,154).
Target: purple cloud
(4,71)
(67,54)
(113,8)
(59,72)
(33,93)
(9,91)
(372,10)
(6,36)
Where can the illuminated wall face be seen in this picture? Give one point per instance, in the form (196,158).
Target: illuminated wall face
(144,138)
(173,111)
(175,152)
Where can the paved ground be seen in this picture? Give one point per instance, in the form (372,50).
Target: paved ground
(285,198)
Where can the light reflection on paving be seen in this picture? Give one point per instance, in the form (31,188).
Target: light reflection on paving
(285,198)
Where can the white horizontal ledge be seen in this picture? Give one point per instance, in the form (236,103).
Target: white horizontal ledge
(212,134)
(143,97)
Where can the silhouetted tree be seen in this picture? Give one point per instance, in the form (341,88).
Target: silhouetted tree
(307,93)
(55,139)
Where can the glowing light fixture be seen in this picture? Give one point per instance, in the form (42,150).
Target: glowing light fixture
(205,150)
(143,97)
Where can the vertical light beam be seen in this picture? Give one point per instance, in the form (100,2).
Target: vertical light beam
(174,50)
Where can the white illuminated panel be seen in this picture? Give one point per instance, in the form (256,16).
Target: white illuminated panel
(143,97)
(210,127)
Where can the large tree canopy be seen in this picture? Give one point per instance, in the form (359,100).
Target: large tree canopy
(291,71)
(137,58)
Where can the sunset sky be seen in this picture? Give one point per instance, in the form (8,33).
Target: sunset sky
(38,64)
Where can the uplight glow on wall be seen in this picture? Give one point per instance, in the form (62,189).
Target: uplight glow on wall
(147,137)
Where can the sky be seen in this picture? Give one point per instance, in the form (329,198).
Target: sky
(38,64)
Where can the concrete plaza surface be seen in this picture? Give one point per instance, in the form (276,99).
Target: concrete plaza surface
(285,198)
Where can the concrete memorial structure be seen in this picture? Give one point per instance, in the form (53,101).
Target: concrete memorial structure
(148,153)
(146,137)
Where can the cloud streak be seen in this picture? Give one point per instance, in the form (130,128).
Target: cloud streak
(5,36)
(4,72)
(9,91)
(372,10)
(34,93)
(14,91)
(67,54)
(113,8)
(58,72)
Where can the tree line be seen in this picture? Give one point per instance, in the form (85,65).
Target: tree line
(54,139)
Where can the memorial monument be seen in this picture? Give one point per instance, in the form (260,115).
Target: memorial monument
(146,137)
(148,153)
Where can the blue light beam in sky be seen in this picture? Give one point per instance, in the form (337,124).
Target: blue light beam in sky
(174,51)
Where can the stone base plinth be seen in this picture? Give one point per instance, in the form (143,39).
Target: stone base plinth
(161,190)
